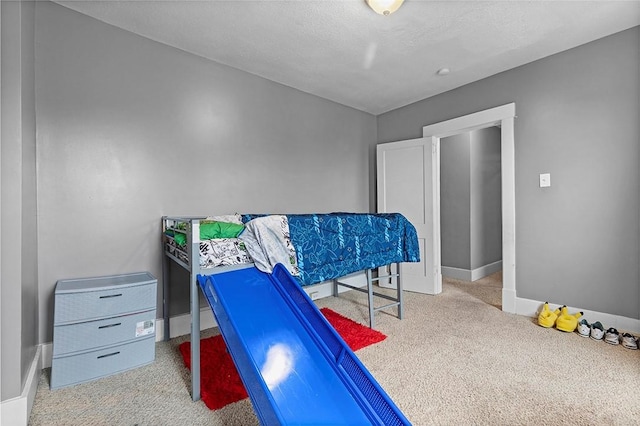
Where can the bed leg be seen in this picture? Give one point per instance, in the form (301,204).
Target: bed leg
(400,293)
(165,282)
(165,296)
(195,340)
(370,295)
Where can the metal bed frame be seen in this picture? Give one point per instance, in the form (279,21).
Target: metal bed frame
(395,301)
(191,252)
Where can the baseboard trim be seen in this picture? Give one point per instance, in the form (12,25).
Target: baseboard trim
(456,273)
(16,411)
(509,301)
(181,325)
(325,289)
(486,270)
(472,274)
(531,308)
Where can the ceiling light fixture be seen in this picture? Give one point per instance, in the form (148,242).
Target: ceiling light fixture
(384,7)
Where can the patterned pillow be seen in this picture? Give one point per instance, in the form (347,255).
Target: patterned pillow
(222,252)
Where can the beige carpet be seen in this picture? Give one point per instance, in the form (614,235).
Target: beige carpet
(455,359)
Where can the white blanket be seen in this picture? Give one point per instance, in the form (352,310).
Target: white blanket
(268,241)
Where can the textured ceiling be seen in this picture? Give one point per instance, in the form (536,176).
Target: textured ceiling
(343,51)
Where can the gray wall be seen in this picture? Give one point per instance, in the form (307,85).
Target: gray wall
(486,197)
(470,205)
(130,130)
(455,201)
(18,252)
(578,241)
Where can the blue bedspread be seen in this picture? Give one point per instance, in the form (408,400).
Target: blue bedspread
(332,245)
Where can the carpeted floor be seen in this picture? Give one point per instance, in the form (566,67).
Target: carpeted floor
(456,358)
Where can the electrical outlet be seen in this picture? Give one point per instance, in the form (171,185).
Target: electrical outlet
(314,295)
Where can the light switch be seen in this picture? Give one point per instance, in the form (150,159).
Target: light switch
(545,180)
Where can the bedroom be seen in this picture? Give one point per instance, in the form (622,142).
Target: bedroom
(119,116)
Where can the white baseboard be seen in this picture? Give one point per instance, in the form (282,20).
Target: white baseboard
(531,308)
(456,273)
(181,324)
(509,301)
(472,274)
(486,270)
(16,411)
(325,289)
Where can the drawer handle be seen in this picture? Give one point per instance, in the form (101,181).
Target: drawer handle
(110,325)
(111,295)
(104,356)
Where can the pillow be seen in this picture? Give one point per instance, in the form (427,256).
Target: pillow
(180,238)
(210,230)
(223,252)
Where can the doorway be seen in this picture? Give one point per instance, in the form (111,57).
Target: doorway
(471,214)
(471,210)
(503,117)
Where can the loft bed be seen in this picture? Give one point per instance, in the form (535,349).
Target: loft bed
(314,248)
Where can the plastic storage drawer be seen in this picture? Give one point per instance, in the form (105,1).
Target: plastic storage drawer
(102,326)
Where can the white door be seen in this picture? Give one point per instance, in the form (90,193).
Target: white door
(408,181)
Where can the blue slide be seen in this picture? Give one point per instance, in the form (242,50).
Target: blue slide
(295,366)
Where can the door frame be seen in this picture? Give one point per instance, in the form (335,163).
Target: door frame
(503,117)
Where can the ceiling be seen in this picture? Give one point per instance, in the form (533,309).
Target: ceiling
(343,51)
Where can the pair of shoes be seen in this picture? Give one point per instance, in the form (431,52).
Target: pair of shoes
(547,317)
(597,331)
(612,336)
(560,318)
(567,322)
(629,341)
(584,329)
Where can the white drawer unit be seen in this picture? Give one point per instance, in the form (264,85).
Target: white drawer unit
(102,326)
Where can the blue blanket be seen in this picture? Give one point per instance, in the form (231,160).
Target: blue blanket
(332,245)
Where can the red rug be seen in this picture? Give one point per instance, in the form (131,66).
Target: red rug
(220,383)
